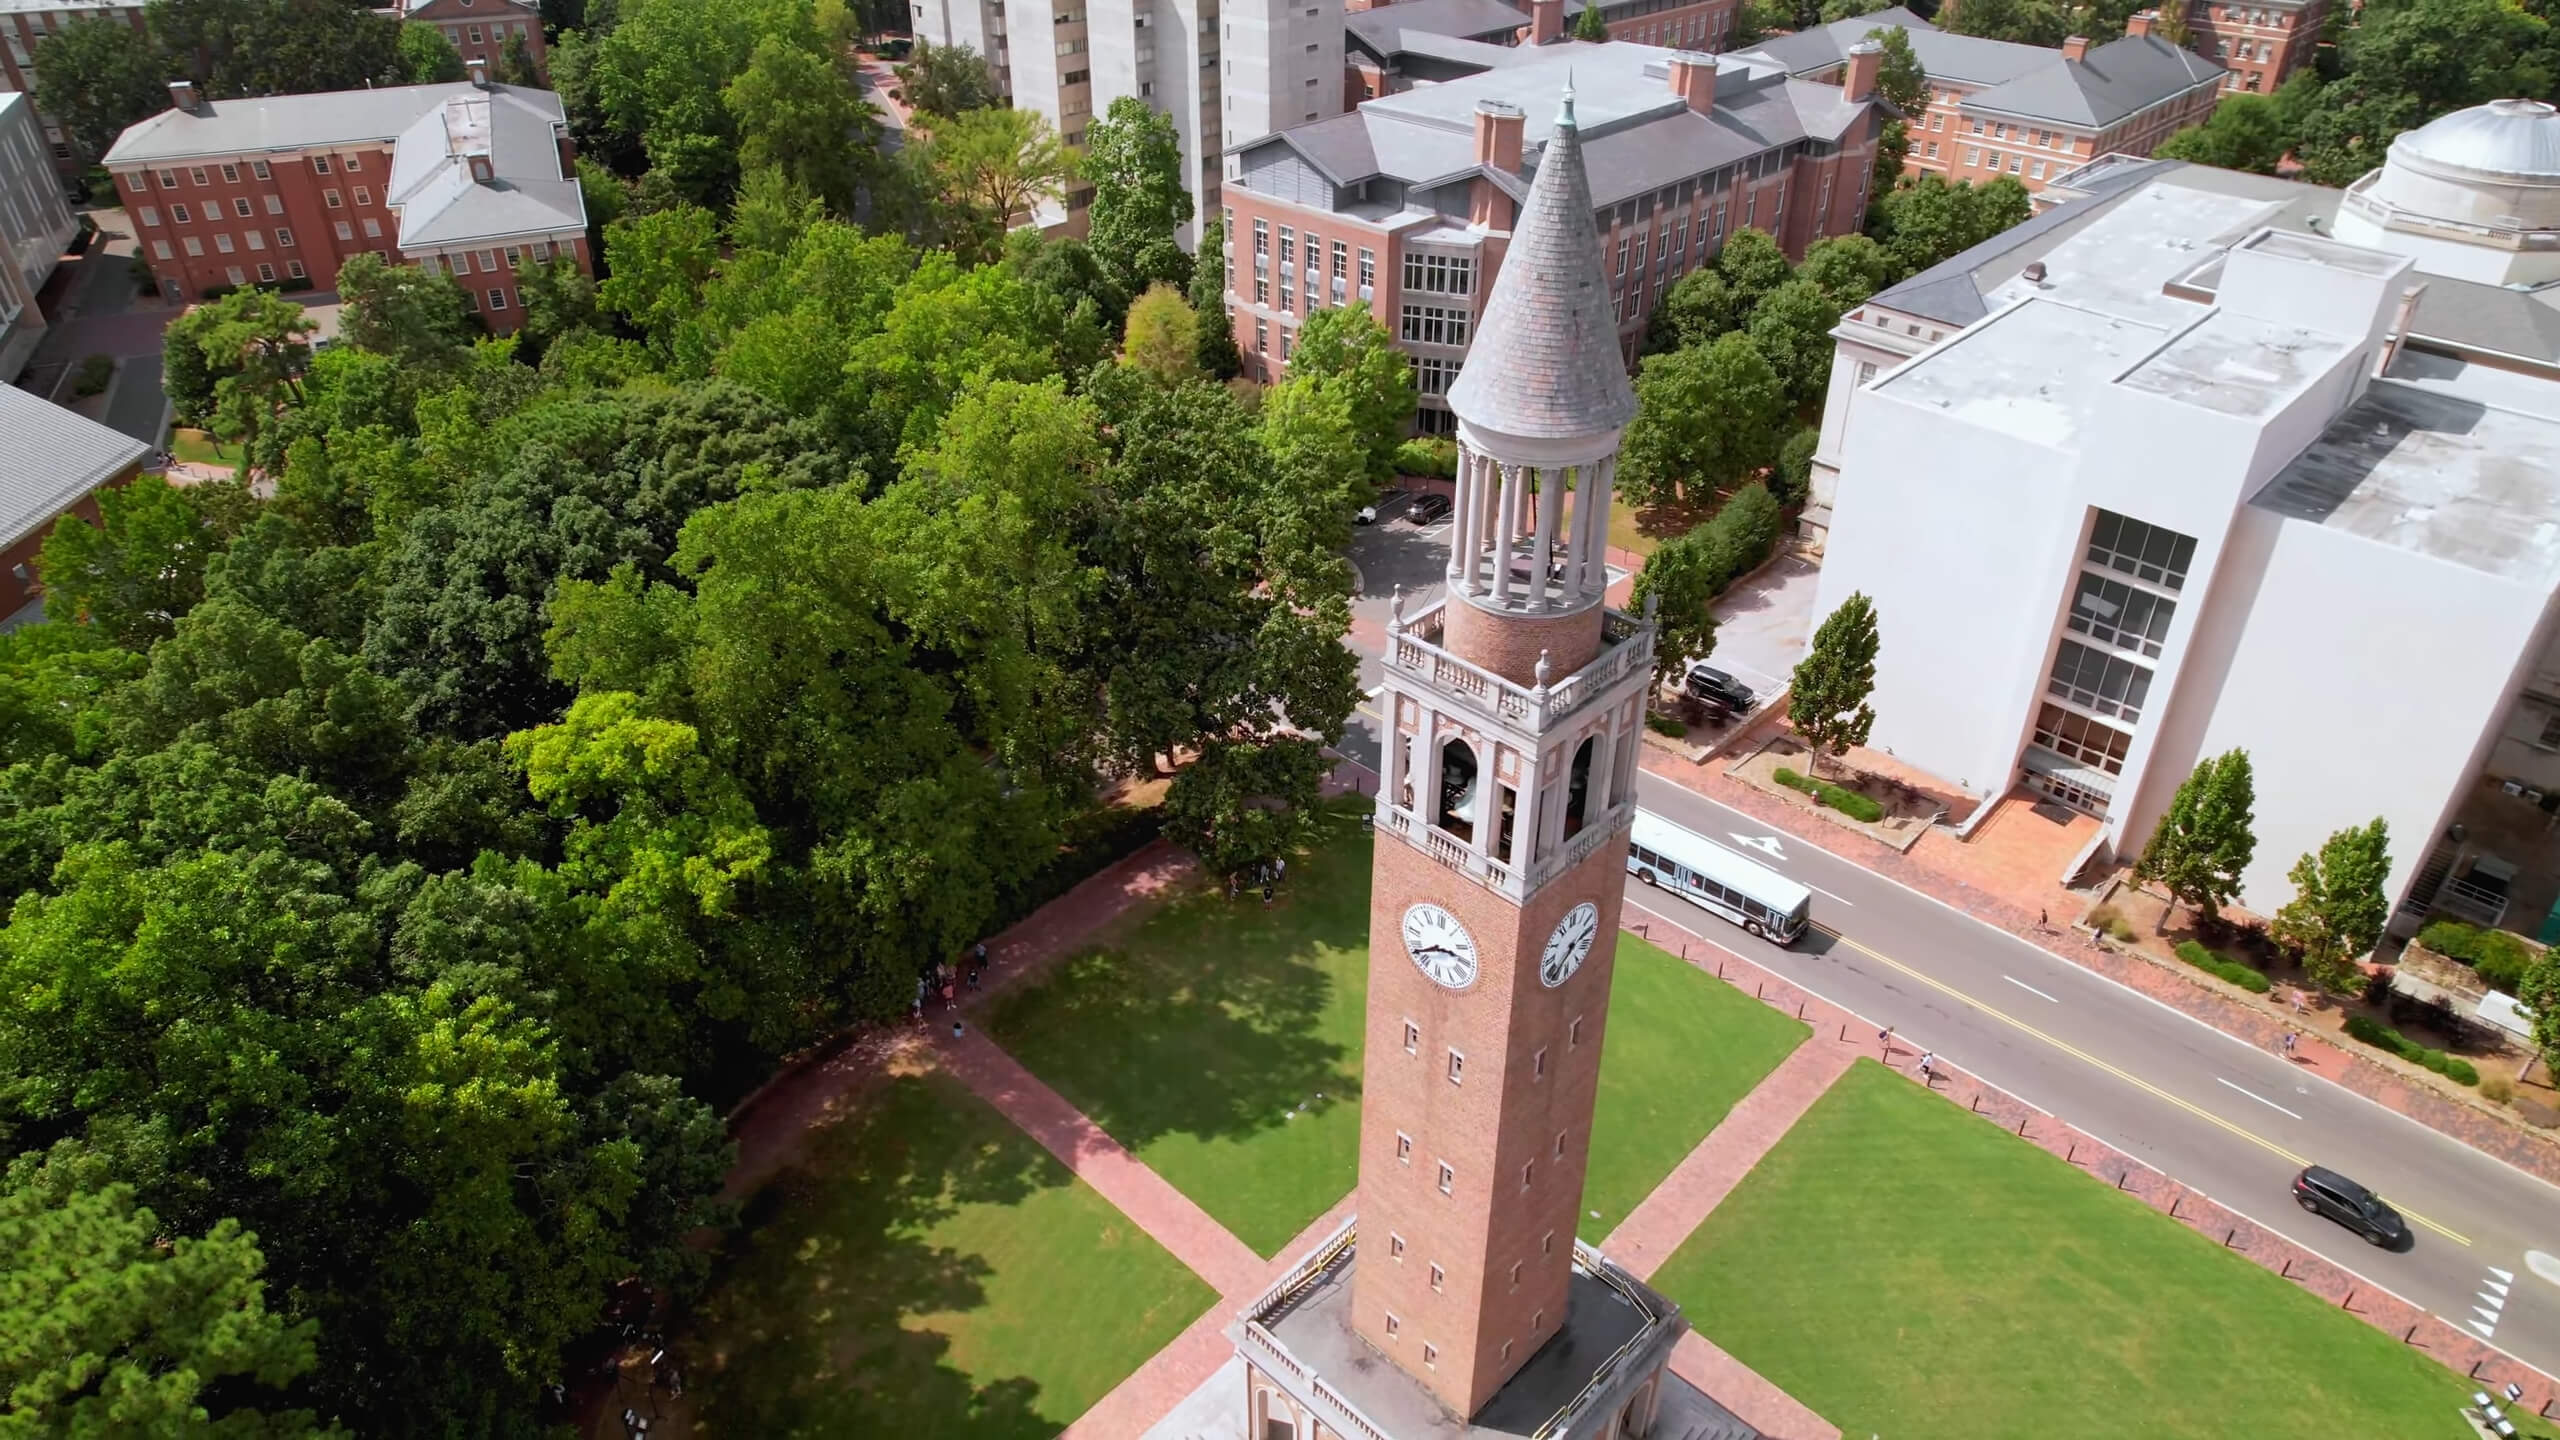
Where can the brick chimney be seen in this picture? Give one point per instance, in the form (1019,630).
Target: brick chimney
(2076,48)
(2140,24)
(1693,78)
(1546,21)
(1498,125)
(1858,77)
(482,172)
(182,94)
(478,70)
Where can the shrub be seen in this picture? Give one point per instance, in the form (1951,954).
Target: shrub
(293,284)
(2497,1088)
(2382,1037)
(2500,958)
(2373,1032)
(95,372)
(2432,1059)
(2215,963)
(1428,455)
(2460,1071)
(143,279)
(2107,920)
(1661,724)
(1847,802)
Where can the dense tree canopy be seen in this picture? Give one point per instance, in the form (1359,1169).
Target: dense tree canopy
(1133,160)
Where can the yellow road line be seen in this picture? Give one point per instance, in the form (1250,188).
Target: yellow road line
(2086,1058)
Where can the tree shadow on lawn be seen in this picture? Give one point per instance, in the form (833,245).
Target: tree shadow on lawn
(815,1323)
(1218,1020)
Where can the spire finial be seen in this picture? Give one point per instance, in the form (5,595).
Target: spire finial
(1564,113)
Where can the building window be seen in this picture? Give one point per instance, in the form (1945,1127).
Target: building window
(2146,552)
(1432,374)
(1528,1173)
(1515,1273)
(1261,237)
(1538,1322)
(284,238)
(1457,1068)
(2099,682)
(1341,262)
(1288,245)
(345,230)
(197,175)
(1440,274)
(1412,1037)
(178,212)
(1434,325)
(160,248)
(1573,1033)
(497,298)
(354,163)
(1438,1277)
(230,174)
(1368,271)
(2078,737)
(1393,1324)
(1430,1356)
(1560,1144)
(364,193)
(372,228)
(194,246)
(330,198)
(1261,336)
(150,214)
(294,269)
(240,206)
(319,164)
(1261,290)
(1395,1246)
(257,239)
(1448,1178)
(168,179)
(236,275)
(2118,615)
(2550,733)
(266,274)
(259,169)
(275,204)
(1538,1064)
(488,262)
(1404,1148)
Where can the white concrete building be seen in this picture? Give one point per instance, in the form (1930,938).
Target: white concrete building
(2172,470)
(35,225)
(1222,69)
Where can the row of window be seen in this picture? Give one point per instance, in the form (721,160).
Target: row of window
(1990,160)
(181,214)
(2263,19)
(2099,682)
(1437,274)
(2084,738)
(455,33)
(2116,614)
(202,176)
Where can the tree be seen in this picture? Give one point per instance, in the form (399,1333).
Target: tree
(1698,308)
(1900,79)
(2540,995)
(797,113)
(1219,359)
(426,56)
(1834,11)
(559,300)
(1791,328)
(947,81)
(407,312)
(1164,336)
(1706,418)
(2169,22)
(2200,847)
(2243,133)
(135,571)
(1791,479)
(1590,25)
(1133,160)
(656,266)
(515,64)
(1827,699)
(117,1327)
(1752,265)
(96,76)
(991,166)
(2042,23)
(1893,148)
(2405,64)
(1680,581)
(1923,219)
(255,344)
(1847,268)
(1352,353)
(2338,907)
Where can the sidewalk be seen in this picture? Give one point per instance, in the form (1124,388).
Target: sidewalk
(2529,1152)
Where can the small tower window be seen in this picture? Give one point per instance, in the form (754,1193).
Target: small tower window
(1573,1033)
(1538,1064)
(1448,1178)
(1412,1037)
(1460,795)
(1578,787)
(1404,1148)
(1438,1277)
(1430,1356)
(1457,1068)
(1395,1246)
(1393,1324)
(1547,1243)
(1528,1173)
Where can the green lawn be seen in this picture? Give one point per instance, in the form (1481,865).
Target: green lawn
(198,447)
(1908,1270)
(929,1272)
(1221,1041)
(1681,1048)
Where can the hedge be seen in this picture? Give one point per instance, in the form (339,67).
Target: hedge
(2382,1037)
(2214,962)
(1847,802)
(1429,456)
(1661,724)
(2500,958)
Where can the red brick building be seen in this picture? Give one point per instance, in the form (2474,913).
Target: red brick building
(480,29)
(1407,204)
(1997,108)
(2260,44)
(471,179)
(55,461)
(1388,48)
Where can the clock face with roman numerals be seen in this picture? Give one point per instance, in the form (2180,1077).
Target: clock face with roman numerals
(1441,947)
(1570,945)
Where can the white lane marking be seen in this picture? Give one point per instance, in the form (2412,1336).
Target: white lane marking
(1766,844)
(2254,1095)
(2030,989)
(2486,1314)
(2486,1331)
(2494,1285)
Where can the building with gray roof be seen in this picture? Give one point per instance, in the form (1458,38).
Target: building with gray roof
(472,179)
(35,226)
(1407,203)
(2193,457)
(1998,108)
(54,461)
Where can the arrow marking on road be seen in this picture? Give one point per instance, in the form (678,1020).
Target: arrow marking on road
(2030,989)
(2486,1331)
(2510,1276)
(2136,1081)
(2501,1289)
(1766,844)
(2254,1095)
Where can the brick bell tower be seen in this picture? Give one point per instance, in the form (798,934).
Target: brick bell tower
(1508,790)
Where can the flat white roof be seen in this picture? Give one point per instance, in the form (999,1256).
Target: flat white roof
(2030,371)
(2238,364)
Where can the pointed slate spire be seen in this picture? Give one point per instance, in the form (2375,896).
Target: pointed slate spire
(1545,362)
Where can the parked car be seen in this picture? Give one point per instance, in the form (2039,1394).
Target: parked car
(1365,515)
(2323,1191)
(1428,509)
(1706,682)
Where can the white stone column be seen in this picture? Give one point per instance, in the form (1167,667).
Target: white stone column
(1593,563)
(1596,801)
(1488,798)
(1526,823)
(1426,785)
(1461,567)
(1506,525)
(1391,763)
(1550,519)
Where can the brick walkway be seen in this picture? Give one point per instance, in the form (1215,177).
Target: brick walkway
(2529,1152)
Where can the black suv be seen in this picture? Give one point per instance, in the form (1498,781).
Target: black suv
(2326,1192)
(1706,682)
(1428,509)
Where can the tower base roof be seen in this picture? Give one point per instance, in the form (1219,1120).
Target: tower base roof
(1617,1335)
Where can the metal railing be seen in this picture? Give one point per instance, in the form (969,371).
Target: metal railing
(1579,848)
(2526,237)
(1591,1262)
(2478,904)
(1265,1350)
(1414,648)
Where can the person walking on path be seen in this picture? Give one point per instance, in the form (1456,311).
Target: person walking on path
(1884,1037)
(955,1027)
(2289,1039)
(1928,1060)
(1266,894)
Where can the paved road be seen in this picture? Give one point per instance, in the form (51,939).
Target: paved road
(2211,1111)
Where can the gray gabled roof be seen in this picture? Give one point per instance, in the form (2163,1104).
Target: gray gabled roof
(1953,290)
(291,122)
(1380,31)
(1545,362)
(53,457)
(2116,80)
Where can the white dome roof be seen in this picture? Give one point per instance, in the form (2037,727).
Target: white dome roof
(2514,140)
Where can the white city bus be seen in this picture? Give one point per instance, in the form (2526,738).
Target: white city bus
(1749,894)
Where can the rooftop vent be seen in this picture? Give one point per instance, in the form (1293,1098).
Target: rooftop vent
(2035,271)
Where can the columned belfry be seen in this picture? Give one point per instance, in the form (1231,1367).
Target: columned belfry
(1513,708)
